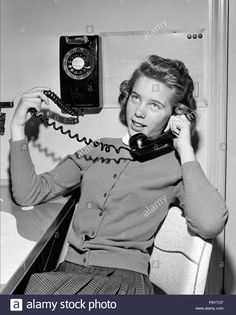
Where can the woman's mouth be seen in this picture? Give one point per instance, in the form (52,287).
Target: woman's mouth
(136,125)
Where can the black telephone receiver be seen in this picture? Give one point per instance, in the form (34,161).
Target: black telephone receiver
(141,146)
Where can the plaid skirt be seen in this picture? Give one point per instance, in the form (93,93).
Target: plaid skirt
(70,278)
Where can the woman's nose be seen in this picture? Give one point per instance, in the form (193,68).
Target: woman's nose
(140,110)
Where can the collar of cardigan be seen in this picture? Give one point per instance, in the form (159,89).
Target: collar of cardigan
(125,139)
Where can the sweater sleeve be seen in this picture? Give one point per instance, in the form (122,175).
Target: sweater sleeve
(28,188)
(204,208)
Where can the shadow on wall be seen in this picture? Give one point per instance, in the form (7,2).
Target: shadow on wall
(32,129)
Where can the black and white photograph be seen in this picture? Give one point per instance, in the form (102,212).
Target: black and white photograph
(118,156)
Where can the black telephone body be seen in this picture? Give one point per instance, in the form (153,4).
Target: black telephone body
(141,146)
(79,73)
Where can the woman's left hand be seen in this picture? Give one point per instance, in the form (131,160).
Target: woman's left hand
(181,128)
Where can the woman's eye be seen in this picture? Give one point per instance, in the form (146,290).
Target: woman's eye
(135,98)
(155,106)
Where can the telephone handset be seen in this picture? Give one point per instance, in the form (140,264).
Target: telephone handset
(140,144)
(143,145)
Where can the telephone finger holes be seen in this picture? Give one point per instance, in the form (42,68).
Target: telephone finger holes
(78,63)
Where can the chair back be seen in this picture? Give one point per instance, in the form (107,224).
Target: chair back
(180,259)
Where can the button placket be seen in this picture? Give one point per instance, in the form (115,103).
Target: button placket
(115,176)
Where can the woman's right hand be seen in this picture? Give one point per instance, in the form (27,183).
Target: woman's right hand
(30,99)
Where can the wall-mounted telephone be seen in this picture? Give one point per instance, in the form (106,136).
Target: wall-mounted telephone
(141,146)
(79,72)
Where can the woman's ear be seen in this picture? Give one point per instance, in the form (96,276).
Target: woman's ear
(181,109)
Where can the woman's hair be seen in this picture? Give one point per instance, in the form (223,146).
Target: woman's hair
(172,73)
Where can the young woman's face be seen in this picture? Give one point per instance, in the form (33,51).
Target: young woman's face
(149,107)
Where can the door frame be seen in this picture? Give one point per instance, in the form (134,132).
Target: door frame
(217,70)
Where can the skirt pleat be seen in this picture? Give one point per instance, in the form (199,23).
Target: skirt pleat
(101,285)
(70,278)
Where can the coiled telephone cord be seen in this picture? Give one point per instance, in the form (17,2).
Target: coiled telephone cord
(71,111)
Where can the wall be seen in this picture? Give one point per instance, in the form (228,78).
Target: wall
(230,239)
(30,30)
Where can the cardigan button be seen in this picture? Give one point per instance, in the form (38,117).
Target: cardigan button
(101,213)
(105,195)
(84,260)
(115,175)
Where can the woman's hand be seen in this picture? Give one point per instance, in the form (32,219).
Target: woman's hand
(30,99)
(181,128)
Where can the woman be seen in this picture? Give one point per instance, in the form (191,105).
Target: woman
(112,229)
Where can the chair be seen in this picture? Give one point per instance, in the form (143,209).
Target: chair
(180,259)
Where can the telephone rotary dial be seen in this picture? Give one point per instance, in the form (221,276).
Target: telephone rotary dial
(78,63)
